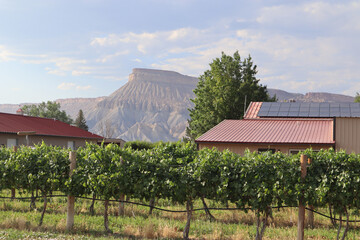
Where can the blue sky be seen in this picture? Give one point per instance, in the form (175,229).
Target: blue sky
(87,48)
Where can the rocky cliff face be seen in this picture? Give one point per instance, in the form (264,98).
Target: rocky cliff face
(151,106)
(73,105)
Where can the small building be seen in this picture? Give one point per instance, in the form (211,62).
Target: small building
(288,127)
(18,129)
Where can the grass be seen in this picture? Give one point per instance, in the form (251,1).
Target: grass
(17,221)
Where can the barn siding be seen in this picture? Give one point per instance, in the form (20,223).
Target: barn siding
(347,134)
(240,148)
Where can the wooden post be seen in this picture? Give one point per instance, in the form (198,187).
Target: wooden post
(301,217)
(71,199)
(122,197)
(310,213)
(13,189)
(122,205)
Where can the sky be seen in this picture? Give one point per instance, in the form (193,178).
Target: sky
(53,49)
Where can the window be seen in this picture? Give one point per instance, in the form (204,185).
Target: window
(71,145)
(272,150)
(11,142)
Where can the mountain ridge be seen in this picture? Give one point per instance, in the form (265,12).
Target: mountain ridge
(153,106)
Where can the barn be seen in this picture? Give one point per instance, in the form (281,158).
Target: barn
(288,127)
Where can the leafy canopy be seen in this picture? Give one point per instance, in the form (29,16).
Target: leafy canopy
(221,92)
(80,121)
(357,98)
(47,110)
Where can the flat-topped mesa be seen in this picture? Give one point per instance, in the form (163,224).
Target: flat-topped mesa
(331,97)
(160,76)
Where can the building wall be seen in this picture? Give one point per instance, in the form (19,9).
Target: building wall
(347,134)
(49,140)
(239,148)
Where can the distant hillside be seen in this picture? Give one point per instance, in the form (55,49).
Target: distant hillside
(73,105)
(153,105)
(310,97)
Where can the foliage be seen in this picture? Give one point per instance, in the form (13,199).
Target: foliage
(221,93)
(80,121)
(357,98)
(176,171)
(333,178)
(179,173)
(43,168)
(139,145)
(47,110)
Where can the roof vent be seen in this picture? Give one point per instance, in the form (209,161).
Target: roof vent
(20,112)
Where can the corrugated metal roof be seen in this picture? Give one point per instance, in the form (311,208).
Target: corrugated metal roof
(13,123)
(319,131)
(253,109)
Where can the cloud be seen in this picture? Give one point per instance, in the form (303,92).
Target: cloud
(114,39)
(310,18)
(155,43)
(299,46)
(66,86)
(179,34)
(83,88)
(112,56)
(72,86)
(5,54)
(55,72)
(79,73)
(291,52)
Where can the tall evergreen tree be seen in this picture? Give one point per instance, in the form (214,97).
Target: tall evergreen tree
(80,121)
(221,92)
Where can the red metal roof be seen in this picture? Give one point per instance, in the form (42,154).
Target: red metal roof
(14,123)
(253,109)
(319,131)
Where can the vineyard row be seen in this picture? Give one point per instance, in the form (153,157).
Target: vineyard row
(180,173)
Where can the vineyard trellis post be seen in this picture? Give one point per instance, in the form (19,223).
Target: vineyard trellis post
(13,189)
(122,196)
(71,199)
(301,216)
(310,213)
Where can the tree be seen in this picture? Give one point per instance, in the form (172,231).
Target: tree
(221,93)
(106,128)
(357,98)
(47,110)
(80,121)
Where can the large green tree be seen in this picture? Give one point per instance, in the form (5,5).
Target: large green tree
(80,121)
(221,92)
(357,98)
(47,109)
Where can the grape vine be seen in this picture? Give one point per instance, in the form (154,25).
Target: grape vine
(177,171)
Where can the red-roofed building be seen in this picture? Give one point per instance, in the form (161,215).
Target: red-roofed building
(17,129)
(284,135)
(288,127)
(253,110)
